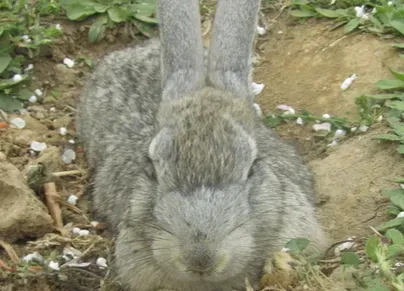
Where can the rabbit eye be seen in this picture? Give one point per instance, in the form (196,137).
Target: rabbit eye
(149,169)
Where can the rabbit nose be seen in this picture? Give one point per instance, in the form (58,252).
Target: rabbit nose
(200,259)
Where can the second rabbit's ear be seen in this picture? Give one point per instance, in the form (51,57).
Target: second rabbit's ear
(230,55)
(182,61)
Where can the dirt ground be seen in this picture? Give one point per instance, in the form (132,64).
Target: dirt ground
(302,66)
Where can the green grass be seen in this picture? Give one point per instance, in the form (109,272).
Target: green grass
(27,27)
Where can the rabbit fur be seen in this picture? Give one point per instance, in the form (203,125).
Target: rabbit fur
(199,192)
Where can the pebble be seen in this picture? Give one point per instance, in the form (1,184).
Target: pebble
(18,122)
(38,146)
(68,156)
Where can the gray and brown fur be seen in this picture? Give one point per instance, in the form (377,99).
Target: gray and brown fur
(199,191)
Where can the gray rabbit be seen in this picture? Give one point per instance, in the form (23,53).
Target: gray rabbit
(200,192)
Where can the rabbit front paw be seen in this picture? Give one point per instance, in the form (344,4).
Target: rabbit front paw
(279,271)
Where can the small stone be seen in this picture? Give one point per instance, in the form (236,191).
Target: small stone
(63,131)
(58,27)
(72,199)
(299,121)
(84,232)
(339,133)
(17,122)
(38,146)
(261,30)
(257,88)
(322,126)
(32,99)
(35,256)
(38,92)
(94,223)
(363,128)
(327,116)
(102,262)
(76,230)
(68,62)
(68,156)
(54,265)
(71,141)
(401,214)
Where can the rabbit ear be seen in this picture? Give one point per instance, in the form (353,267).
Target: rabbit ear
(182,63)
(230,55)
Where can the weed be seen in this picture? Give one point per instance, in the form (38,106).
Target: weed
(22,36)
(107,13)
(378,16)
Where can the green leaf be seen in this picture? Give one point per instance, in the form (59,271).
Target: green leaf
(146,19)
(24,94)
(399,180)
(385,96)
(100,8)
(388,136)
(302,13)
(398,75)
(388,84)
(328,13)
(398,25)
(7,83)
(119,14)
(398,45)
(397,197)
(400,148)
(371,247)
(78,11)
(351,25)
(4,62)
(297,245)
(391,223)
(350,258)
(394,250)
(397,105)
(143,28)
(9,104)
(396,236)
(97,29)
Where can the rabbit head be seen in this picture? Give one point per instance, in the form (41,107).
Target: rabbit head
(205,156)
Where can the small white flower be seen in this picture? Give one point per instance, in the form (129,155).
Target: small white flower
(29,68)
(17,122)
(68,156)
(35,256)
(401,214)
(322,126)
(353,129)
(257,88)
(63,131)
(58,27)
(17,78)
(286,109)
(363,128)
(84,232)
(76,230)
(52,109)
(71,141)
(299,121)
(102,262)
(374,10)
(38,92)
(390,3)
(333,143)
(54,265)
(72,199)
(380,118)
(348,82)
(349,244)
(68,62)
(32,99)
(339,133)
(280,31)
(326,115)
(38,146)
(26,38)
(261,30)
(360,11)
